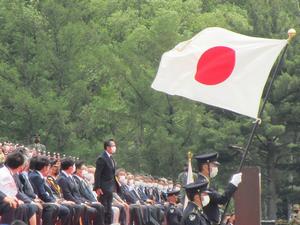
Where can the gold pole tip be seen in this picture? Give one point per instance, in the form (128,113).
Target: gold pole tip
(292,33)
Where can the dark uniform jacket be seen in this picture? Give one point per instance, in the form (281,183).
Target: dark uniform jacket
(193,215)
(212,209)
(173,214)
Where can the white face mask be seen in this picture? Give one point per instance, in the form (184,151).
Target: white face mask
(213,171)
(205,200)
(130,182)
(113,149)
(177,188)
(84,173)
(137,183)
(170,186)
(122,179)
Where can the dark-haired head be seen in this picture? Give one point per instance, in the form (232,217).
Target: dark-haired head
(108,143)
(15,160)
(41,162)
(66,165)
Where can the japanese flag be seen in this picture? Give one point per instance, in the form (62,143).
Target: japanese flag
(220,68)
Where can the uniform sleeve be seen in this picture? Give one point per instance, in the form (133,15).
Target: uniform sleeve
(222,199)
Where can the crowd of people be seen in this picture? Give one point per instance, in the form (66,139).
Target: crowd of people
(37,187)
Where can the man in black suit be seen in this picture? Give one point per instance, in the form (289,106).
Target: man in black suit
(71,192)
(105,182)
(208,168)
(44,192)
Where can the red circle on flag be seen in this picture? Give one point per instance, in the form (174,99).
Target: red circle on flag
(215,65)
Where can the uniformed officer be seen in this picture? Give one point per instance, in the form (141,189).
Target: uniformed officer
(173,210)
(208,168)
(198,198)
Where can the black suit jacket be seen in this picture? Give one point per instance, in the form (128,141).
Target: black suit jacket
(84,190)
(21,195)
(69,189)
(27,186)
(40,187)
(105,174)
(212,209)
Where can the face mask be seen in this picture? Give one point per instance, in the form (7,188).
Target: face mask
(160,187)
(137,183)
(113,149)
(205,200)
(213,172)
(177,188)
(84,173)
(122,179)
(130,182)
(170,186)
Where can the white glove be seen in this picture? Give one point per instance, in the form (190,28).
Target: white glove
(236,179)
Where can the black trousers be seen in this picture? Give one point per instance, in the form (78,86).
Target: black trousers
(136,214)
(106,200)
(23,212)
(50,213)
(64,215)
(100,213)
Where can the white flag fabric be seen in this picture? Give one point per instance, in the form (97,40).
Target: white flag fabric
(220,68)
(190,179)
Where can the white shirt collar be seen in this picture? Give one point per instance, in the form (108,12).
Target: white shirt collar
(78,177)
(109,155)
(40,174)
(66,173)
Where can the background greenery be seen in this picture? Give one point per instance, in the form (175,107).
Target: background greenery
(79,71)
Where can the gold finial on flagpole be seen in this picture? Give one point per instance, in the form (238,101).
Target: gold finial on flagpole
(292,33)
(190,156)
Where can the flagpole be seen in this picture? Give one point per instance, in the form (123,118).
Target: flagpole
(291,35)
(189,178)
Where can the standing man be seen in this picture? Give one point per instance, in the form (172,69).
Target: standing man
(208,168)
(105,182)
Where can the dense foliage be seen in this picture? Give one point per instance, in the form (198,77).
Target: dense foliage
(79,71)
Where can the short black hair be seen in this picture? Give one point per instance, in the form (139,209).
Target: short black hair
(32,163)
(107,143)
(41,162)
(14,160)
(53,162)
(66,163)
(79,164)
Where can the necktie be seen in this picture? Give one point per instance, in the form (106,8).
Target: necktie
(112,161)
